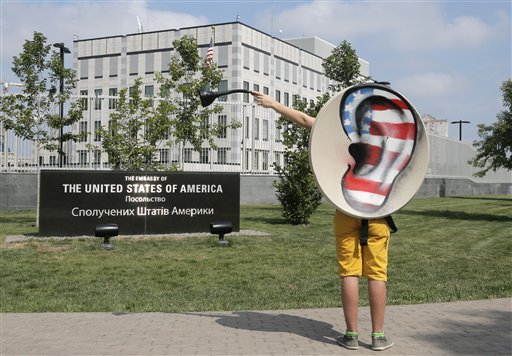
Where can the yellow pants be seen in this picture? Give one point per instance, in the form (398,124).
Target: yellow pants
(371,260)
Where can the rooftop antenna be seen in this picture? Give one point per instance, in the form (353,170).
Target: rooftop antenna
(139,25)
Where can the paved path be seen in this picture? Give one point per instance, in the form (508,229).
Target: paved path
(461,328)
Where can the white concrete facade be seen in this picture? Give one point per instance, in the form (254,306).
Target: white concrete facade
(250,59)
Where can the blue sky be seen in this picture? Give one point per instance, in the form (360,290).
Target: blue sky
(448,58)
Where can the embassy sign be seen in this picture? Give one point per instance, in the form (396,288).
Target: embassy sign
(72,203)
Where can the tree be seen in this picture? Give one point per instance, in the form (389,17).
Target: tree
(343,67)
(296,188)
(138,128)
(494,150)
(135,129)
(33,114)
(188,73)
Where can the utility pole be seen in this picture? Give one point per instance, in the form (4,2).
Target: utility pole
(460,122)
(63,50)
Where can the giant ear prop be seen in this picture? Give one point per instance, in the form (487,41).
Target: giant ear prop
(369,151)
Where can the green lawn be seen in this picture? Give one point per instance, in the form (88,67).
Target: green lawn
(446,249)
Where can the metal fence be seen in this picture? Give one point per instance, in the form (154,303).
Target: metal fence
(254,148)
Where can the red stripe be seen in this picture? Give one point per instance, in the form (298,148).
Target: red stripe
(404,131)
(385,105)
(351,182)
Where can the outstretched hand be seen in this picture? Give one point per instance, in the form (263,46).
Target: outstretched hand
(262,99)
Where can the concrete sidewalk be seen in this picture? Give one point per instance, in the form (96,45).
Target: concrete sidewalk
(460,328)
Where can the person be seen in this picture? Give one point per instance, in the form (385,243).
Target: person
(354,260)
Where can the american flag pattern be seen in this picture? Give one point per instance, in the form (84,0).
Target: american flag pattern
(382,129)
(209,53)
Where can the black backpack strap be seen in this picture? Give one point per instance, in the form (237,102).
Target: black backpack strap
(363,234)
(391,224)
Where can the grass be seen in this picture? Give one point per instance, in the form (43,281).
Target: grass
(446,249)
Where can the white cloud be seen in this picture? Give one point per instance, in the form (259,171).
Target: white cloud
(428,84)
(59,22)
(399,25)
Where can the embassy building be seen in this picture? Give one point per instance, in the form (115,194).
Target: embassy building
(288,70)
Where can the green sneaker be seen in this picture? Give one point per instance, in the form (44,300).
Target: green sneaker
(348,340)
(380,342)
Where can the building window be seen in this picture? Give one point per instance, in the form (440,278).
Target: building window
(265,161)
(247,127)
(266,64)
(265,90)
(150,63)
(164,155)
(98,99)
(53,160)
(256,128)
(84,68)
(222,154)
(247,158)
(256,163)
(97,157)
(112,100)
(84,94)
(278,68)
(294,74)
(222,56)
(223,123)
(265,130)
(204,155)
(187,155)
(256,87)
(247,57)
(134,64)
(97,134)
(82,156)
(149,91)
(286,72)
(113,66)
(277,159)
(98,68)
(204,128)
(278,96)
(82,131)
(278,133)
(223,86)
(166,59)
(286,99)
(257,61)
(246,95)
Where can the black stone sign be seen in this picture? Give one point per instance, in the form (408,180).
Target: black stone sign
(71,203)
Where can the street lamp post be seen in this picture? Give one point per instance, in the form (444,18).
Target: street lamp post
(460,122)
(63,49)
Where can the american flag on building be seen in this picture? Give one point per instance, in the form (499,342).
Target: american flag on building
(209,53)
(383,129)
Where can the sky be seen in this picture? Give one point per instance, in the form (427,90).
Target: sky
(449,58)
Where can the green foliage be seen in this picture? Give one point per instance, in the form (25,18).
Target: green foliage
(132,138)
(494,150)
(296,189)
(33,114)
(188,73)
(343,67)
(292,267)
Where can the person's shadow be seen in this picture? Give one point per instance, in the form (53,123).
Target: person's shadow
(305,327)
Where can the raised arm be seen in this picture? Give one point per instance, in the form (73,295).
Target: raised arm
(290,114)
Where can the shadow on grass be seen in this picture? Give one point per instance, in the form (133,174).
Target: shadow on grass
(457,215)
(484,198)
